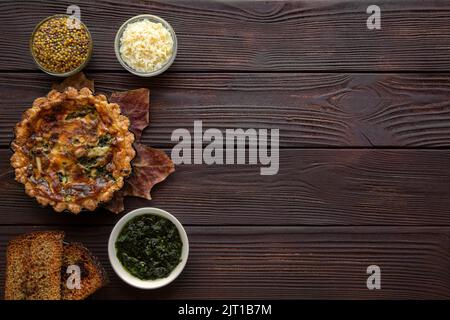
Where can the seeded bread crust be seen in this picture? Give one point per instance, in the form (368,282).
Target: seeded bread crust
(92,274)
(17,266)
(33,263)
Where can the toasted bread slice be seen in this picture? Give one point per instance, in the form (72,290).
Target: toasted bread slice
(92,274)
(17,267)
(33,263)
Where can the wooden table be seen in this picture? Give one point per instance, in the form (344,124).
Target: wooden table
(364,119)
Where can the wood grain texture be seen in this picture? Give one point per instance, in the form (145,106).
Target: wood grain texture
(311,110)
(310,69)
(288,262)
(313,187)
(256,35)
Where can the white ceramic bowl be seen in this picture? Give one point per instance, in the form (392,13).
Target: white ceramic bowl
(128,277)
(155,19)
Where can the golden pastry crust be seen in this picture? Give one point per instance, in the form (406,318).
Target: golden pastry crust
(72,150)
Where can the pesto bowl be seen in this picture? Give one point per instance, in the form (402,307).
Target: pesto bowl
(123,273)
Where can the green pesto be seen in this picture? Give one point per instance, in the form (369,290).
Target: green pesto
(149,247)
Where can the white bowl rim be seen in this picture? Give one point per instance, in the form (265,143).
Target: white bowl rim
(128,277)
(164,67)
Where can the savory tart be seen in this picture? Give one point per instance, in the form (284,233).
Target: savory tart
(72,150)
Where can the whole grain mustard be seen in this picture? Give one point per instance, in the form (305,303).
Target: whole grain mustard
(58,48)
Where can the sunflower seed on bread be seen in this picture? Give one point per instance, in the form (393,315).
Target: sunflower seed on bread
(33,263)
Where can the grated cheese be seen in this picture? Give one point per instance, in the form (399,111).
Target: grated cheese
(146,46)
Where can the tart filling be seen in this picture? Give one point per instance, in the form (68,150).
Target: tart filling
(72,150)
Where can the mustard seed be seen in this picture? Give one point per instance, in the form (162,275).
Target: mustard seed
(59,49)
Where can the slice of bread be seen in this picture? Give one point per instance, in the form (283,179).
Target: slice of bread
(92,274)
(17,267)
(33,263)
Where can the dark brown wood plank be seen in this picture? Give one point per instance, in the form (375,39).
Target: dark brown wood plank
(313,187)
(310,110)
(256,35)
(288,262)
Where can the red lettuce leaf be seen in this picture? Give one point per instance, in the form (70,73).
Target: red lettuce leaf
(135,104)
(150,166)
(116,204)
(77,81)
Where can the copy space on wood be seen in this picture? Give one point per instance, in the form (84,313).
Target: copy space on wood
(256,35)
(287,262)
(310,110)
(313,187)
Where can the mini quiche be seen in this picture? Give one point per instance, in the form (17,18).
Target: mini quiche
(72,150)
